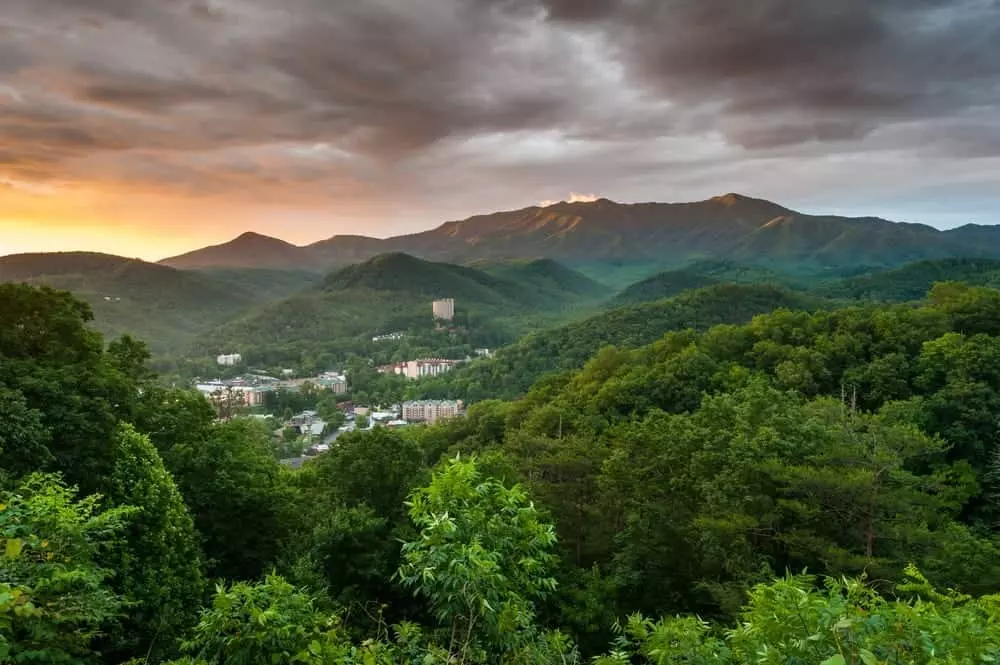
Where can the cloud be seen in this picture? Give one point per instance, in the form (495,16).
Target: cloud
(573,198)
(502,101)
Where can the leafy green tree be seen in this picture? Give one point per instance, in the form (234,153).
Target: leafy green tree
(844,623)
(353,516)
(24,438)
(56,366)
(481,560)
(157,563)
(54,592)
(237,494)
(264,622)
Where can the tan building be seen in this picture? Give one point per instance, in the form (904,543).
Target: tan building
(418,369)
(444,309)
(430,411)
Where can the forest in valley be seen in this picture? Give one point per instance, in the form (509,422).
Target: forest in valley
(780,484)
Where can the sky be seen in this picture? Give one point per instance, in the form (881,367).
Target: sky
(151,127)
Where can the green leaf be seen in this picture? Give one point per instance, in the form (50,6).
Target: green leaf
(14,546)
(868,657)
(834,660)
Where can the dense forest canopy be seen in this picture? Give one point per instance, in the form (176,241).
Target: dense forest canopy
(743,477)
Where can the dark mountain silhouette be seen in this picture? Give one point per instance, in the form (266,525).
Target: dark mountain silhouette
(250,250)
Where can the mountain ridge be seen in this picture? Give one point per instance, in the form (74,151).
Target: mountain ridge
(730,226)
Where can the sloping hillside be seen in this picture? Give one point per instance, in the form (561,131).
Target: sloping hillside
(391,293)
(660,286)
(516,367)
(913,281)
(545,276)
(160,305)
(250,250)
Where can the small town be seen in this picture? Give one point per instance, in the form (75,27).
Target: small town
(330,407)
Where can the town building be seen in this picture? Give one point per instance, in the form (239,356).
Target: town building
(229,359)
(430,411)
(444,309)
(332,381)
(418,369)
(389,337)
(220,392)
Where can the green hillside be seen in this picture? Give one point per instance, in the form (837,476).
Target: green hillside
(517,367)
(166,307)
(546,276)
(658,287)
(264,283)
(163,306)
(911,282)
(324,324)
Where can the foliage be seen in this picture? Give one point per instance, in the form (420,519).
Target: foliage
(266,622)
(517,367)
(481,560)
(54,377)
(53,594)
(230,479)
(157,563)
(844,623)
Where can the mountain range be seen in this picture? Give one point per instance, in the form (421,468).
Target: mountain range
(731,226)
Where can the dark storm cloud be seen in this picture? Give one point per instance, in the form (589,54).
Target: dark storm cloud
(409,86)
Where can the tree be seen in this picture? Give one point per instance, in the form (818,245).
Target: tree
(845,622)
(56,366)
(54,596)
(157,563)
(24,438)
(237,494)
(264,622)
(481,560)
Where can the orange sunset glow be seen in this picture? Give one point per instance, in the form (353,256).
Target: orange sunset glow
(147,128)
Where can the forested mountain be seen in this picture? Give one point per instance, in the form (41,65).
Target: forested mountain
(912,281)
(545,276)
(164,306)
(249,250)
(694,478)
(516,367)
(393,293)
(607,233)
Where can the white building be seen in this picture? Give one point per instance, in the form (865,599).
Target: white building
(389,337)
(430,411)
(229,359)
(444,309)
(219,392)
(417,369)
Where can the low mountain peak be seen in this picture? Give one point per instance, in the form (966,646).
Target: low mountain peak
(731,199)
(253,236)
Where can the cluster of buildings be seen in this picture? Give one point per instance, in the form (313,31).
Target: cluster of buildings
(389,337)
(418,369)
(229,359)
(251,390)
(234,393)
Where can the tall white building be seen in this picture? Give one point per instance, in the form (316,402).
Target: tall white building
(444,309)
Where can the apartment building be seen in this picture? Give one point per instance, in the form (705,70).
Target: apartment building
(417,369)
(444,309)
(430,411)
